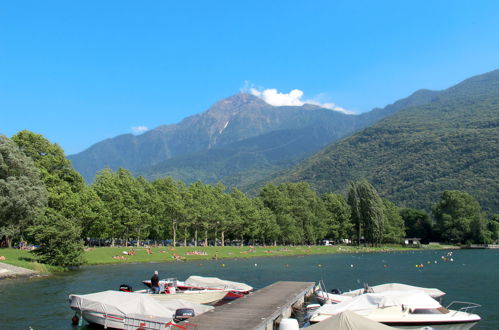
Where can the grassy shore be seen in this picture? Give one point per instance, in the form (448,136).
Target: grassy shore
(116,255)
(25,259)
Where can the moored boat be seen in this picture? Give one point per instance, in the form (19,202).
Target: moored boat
(198,283)
(336,296)
(195,296)
(113,309)
(403,309)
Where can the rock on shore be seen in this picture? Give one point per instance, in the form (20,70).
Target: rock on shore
(9,271)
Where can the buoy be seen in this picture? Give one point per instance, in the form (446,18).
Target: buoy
(351,265)
(256,265)
(289,324)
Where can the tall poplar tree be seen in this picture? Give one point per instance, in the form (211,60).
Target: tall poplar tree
(367,211)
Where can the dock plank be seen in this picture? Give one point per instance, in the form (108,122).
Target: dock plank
(257,310)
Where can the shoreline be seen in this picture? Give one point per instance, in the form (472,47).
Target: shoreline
(8,271)
(116,255)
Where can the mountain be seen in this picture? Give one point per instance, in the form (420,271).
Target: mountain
(412,156)
(237,137)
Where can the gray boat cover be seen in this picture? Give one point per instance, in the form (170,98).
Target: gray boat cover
(365,303)
(216,283)
(128,303)
(435,293)
(348,320)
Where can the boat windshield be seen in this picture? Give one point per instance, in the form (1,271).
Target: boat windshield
(441,310)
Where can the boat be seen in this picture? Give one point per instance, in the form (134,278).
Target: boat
(432,292)
(195,283)
(115,309)
(348,320)
(195,296)
(336,296)
(403,309)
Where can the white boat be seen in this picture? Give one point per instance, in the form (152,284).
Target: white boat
(195,296)
(348,320)
(112,309)
(334,298)
(195,283)
(432,292)
(402,309)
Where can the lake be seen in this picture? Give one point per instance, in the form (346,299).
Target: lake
(473,275)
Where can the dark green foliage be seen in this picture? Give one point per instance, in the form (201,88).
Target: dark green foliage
(458,216)
(414,155)
(299,211)
(59,239)
(22,193)
(394,229)
(367,211)
(417,224)
(67,198)
(339,225)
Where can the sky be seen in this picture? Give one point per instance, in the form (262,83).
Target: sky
(79,72)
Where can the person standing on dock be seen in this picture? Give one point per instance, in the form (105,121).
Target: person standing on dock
(155,282)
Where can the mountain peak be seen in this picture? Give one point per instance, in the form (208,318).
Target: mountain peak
(240,100)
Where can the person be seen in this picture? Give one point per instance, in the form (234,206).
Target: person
(155,282)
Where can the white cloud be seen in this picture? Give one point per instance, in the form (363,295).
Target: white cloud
(139,129)
(293,98)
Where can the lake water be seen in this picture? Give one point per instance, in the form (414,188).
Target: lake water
(42,303)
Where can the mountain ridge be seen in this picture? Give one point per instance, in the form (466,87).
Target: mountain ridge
(236,118)
(415,154)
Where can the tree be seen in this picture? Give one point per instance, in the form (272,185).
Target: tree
(199,208)
(367,211)
(417,224)
(22,193)
(106,187)
(394,229)
(338,216)
(59,240)
(93,216)
(493,227)
(172,205)
(454,215)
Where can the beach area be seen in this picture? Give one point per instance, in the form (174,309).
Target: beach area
(22,263)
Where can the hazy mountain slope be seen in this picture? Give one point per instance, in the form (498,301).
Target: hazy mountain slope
(229,121)
(415,154)
(243,161)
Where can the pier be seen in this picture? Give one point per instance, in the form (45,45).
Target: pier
(262,309)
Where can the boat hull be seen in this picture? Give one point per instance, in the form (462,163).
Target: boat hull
(107,321)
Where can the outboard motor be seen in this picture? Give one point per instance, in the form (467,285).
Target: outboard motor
(336,291)
(126,288)
(183,314)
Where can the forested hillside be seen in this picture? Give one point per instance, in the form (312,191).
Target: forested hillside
(238,140)
(416,154)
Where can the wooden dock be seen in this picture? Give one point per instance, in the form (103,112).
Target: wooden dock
(262,309)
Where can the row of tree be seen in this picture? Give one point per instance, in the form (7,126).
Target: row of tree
(43,199)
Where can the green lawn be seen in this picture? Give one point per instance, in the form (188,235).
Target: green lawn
(25,259)
(115,255)
(166,254)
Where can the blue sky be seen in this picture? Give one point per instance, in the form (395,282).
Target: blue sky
(82,71)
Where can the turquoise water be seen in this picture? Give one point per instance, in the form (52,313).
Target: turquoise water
(473,276)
